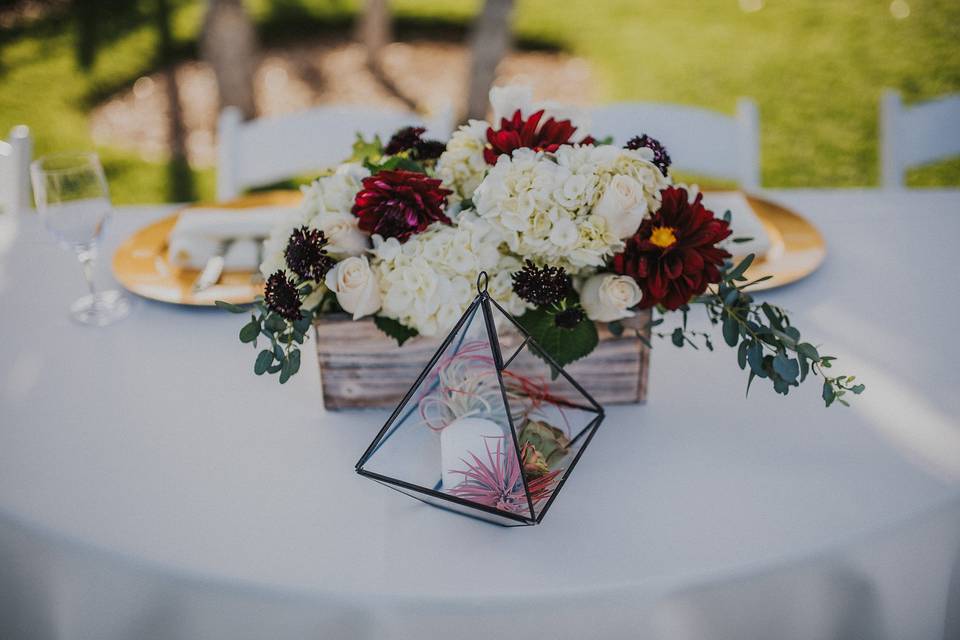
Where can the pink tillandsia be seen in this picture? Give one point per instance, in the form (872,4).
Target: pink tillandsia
(498,481)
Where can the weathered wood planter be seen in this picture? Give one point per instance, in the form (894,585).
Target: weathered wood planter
(360,367)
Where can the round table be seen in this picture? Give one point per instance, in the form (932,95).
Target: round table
(152,487)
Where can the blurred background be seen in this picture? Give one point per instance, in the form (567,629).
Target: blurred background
(142,81)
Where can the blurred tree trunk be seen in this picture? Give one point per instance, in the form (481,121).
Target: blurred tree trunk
(229,44)
(489,43)
(180,186)
(375,31)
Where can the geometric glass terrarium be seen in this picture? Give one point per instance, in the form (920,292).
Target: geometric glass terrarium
(488,430)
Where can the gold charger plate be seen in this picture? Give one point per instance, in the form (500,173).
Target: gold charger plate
(796,247)
(140,264)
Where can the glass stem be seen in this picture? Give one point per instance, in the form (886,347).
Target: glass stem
(87,258)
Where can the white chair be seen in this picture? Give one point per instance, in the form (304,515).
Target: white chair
(268,150)
(15,156)
(911,136)
(699,141)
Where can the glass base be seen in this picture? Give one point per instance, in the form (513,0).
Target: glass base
(106,308)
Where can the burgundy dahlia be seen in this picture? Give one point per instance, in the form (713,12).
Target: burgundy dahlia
(397,204)
(518,133)
(673,255)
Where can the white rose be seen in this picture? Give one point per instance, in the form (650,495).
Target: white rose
(506,100)
(607,297)
(344,236)
(622,205)
(355,285)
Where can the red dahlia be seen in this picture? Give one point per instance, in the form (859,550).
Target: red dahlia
(673,255)
(397,204)
(518,133)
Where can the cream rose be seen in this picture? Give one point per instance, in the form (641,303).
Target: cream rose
(343,235)
(355,285)
(607,297)
(622,205)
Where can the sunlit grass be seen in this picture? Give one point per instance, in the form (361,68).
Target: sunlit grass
(815,69)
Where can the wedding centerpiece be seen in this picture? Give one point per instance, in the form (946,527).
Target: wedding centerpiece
(585,242)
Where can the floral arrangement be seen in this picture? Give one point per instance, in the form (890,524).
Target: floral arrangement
(571,230)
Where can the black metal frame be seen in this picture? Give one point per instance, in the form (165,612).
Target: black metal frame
(483,303)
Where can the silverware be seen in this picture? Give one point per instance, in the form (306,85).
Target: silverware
(213,269)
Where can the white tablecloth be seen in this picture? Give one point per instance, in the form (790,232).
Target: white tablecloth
(152,487)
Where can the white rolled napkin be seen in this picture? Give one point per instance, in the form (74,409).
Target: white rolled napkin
(200,233)
(744,222)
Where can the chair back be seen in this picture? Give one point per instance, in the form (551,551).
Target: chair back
(698,140)
(15,156)
(266,150)
(911,136)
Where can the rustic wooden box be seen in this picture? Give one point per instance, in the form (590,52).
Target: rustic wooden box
(360,367)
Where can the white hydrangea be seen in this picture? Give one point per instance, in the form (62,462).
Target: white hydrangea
(427,282)
(462,167)
(326,205)
(543,205)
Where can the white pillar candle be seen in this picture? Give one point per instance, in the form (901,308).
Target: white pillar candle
(461,438)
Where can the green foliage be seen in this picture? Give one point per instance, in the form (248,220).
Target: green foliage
(564,345)
(768,346)
(367,152)
(284,337)
(399,332)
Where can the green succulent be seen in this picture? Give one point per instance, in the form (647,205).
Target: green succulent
(551,443)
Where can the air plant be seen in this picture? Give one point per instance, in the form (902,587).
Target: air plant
(551,443)
(465,384)
(498,480)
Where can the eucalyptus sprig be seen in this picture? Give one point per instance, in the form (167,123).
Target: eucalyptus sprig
(766,340)
(283,355)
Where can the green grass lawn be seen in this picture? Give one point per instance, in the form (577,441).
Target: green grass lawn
(815,68)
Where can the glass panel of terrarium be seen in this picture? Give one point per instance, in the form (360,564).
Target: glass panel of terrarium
(452,436)
(553,416)
(468,509)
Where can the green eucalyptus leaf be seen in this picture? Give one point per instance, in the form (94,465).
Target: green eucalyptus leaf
(742,354)
(807,350)
(677,337)
(229,306)
(264,359)
(786,368)
(829,395)
(731,330)
(294,361)
(249,331)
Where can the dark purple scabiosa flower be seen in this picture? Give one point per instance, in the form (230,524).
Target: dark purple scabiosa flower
(306,254)
(403,140)
(428,150)
(541,286)
(281,296)
(410,139)
(660,156)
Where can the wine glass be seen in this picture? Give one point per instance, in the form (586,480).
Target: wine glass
(73,201)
